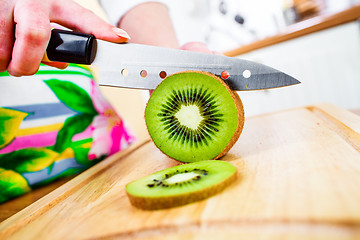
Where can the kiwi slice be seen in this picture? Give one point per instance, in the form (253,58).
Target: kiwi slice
(181,184)
(193,116)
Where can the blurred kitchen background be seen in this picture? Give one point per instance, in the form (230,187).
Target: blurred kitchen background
(227,24)
(327,62)
(315,41)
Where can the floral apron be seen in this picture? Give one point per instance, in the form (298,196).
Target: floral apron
(53,124)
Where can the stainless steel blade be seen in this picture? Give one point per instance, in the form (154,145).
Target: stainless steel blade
(121,65)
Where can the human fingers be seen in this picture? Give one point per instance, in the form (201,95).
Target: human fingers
(32,33)
(196,47)
(46,61)
(59,65)
(73,16)
(6,33)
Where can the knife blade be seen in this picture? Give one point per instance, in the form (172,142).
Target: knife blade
(144,67)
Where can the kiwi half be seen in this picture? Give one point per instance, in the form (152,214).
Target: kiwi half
(181,184)
(193,116)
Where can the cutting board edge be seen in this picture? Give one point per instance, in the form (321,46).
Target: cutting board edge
(8,226)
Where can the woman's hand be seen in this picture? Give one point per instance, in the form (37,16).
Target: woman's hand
(25,31)
(197,47)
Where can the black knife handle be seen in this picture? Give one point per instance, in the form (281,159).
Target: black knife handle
(71,47)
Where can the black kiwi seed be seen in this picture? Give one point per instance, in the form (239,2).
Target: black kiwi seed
(202,172)
(223,174)
(159,183)
(205,130)
(190,96)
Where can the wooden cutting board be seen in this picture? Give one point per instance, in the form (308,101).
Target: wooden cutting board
(299,178)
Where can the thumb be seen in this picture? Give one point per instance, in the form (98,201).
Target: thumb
(73,16)
(59,65)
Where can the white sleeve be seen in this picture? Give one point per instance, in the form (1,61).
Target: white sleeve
(115,9)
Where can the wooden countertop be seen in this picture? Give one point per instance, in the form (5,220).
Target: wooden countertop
(301,29)
(298,178)
(11,207)
(15,205)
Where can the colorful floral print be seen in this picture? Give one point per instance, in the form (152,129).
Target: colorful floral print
(57,125)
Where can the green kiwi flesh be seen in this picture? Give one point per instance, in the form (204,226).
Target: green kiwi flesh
(193,116)
(181,184)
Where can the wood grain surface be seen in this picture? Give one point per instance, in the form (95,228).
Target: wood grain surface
(299,179)
(15,205)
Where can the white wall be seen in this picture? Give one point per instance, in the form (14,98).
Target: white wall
(327,63)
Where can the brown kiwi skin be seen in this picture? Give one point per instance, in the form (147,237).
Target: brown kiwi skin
(239,106)
(241,116)
(157,203)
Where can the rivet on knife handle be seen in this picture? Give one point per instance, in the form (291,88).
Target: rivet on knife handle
(70,47)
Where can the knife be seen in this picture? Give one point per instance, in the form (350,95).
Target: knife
(140,66)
